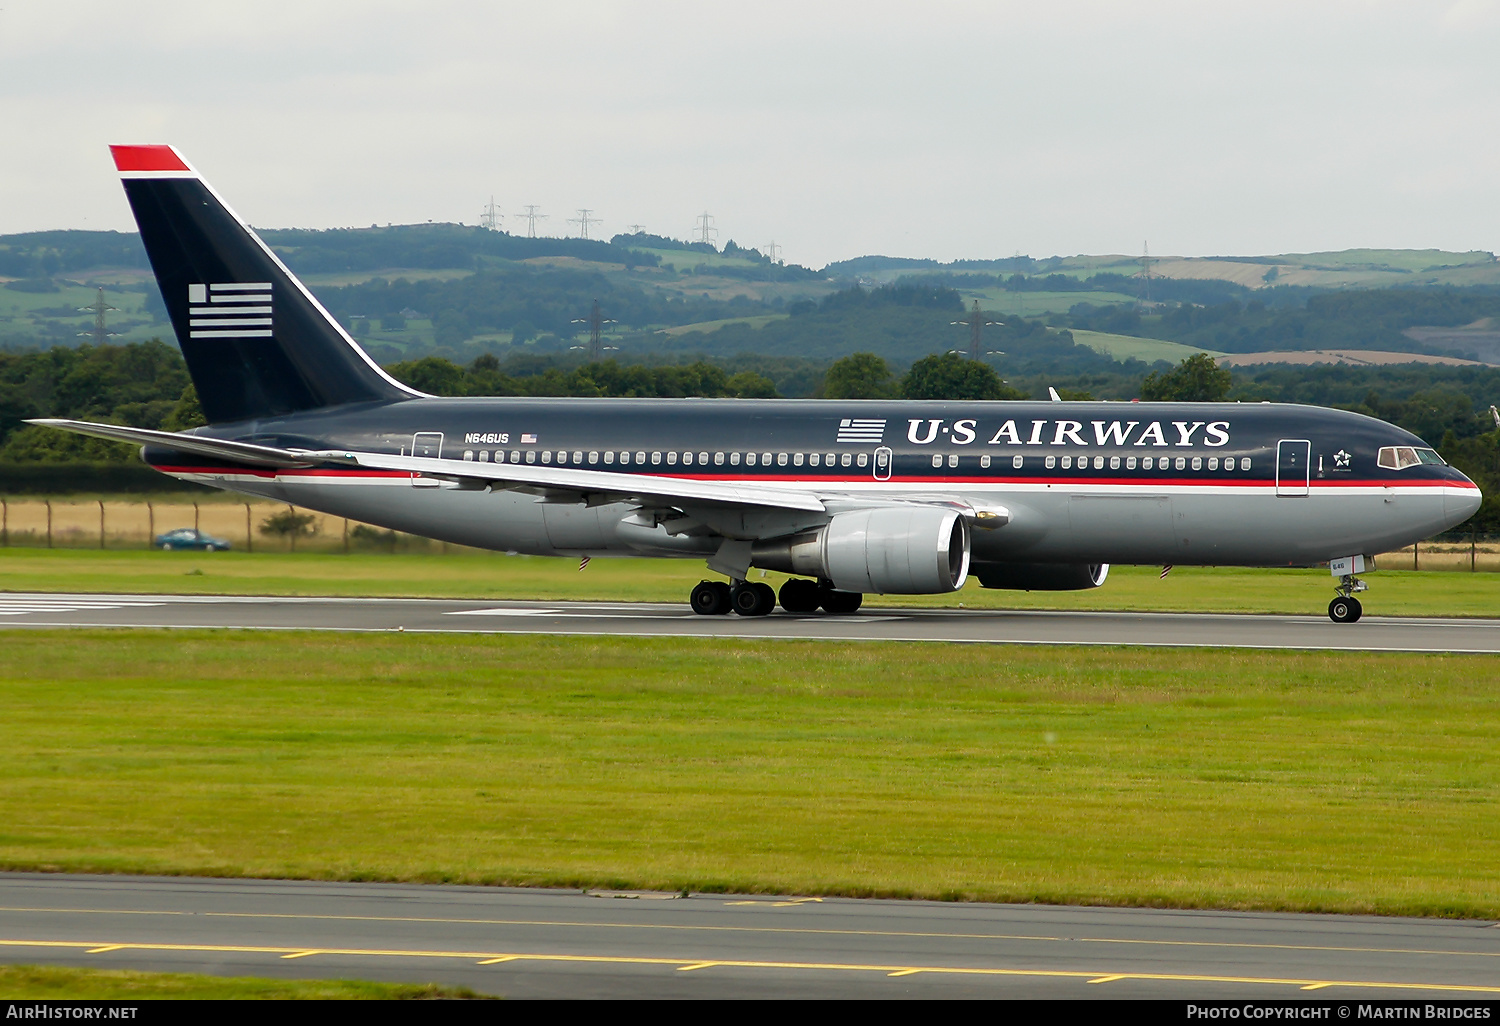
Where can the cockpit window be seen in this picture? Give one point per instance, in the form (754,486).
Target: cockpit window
(1399,457)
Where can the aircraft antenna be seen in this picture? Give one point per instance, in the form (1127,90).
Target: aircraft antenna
(532,217)
(583,220)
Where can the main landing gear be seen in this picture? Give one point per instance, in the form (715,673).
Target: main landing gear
(715,598)
(1346,608)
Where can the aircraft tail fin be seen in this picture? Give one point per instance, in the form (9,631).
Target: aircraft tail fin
(256,342)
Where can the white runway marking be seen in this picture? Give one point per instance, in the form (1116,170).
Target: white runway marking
(43,604)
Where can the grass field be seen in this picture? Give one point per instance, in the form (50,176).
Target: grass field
(490,576)
(1128,347)
(49,983)
(1352,783)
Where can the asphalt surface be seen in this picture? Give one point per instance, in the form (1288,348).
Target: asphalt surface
(1373,633)
(538,943)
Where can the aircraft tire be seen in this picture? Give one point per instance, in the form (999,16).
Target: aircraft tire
(753,599)
(800,596)
(1345,610)
(839,601)
(710,598)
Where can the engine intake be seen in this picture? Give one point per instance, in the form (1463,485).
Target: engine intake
(892,550)
(1041,576)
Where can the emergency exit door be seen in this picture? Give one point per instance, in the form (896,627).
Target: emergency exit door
(428,445)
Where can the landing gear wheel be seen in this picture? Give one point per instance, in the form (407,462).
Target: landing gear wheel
(710,598)
(800,596)
(1344,610)
(839,601)
(753,599)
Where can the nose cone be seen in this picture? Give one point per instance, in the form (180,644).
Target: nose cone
(1461,499)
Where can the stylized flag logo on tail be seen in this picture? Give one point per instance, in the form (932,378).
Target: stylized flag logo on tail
(230,310)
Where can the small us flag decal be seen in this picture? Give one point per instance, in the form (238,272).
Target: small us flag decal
(855,430)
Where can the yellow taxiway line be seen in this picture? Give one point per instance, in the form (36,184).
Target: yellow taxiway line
(691,964)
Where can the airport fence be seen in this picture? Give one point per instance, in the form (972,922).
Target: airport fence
(136,523)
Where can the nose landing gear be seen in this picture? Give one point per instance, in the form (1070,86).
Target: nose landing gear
(1346,608)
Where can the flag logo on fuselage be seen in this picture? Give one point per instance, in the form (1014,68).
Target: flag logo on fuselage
(230,310)
(855,430)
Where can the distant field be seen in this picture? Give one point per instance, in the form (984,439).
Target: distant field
(679,259)
(1034,304)
(1404,592)
(26,313)
(1178,778)
(708,327)
(1128,347)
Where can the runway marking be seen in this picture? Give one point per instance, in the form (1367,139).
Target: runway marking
(796,903)
(42,604)
(691,964)
(1112,979)
(696,965)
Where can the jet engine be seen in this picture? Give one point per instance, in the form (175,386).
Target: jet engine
(892,550)
(1041,576)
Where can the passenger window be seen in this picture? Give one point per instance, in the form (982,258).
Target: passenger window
(765,459)
(593,457)
(828,459)
(797,459)
(1114,463)
(469,455)
(1067,462)
(656,458)
(1213,463)
(984,461)
(530,455)
(734,459)
(547,456)
(609,457)
(687,459)
(937,461)
(1129,462)
(1098,462)
(1148,463)
(671,459)
(1051,462)
(1017,461)
(952,461)
(1244,462)
(1181,463)
(846,460)
(515,457)
(781,459)
(1197,462)
(749,459)
(703,459)
(812,460)
(718,459)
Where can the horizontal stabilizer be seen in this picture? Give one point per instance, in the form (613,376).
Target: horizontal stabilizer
(215,448)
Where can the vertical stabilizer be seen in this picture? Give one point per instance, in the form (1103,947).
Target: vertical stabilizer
(256,342)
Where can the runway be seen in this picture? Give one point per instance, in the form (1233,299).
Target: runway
(539,943)
(1217,630)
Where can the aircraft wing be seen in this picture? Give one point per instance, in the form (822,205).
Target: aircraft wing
(594,486)
(589,485)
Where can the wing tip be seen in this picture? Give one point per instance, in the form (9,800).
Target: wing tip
(148,158)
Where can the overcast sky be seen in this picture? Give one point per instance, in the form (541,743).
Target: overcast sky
(934,129)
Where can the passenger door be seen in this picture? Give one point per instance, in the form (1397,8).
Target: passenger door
(1293,467)
(429,445)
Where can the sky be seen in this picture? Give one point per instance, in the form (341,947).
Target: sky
(944,128)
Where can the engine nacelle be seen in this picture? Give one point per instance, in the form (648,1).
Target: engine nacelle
(1041,576)
(891,550)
